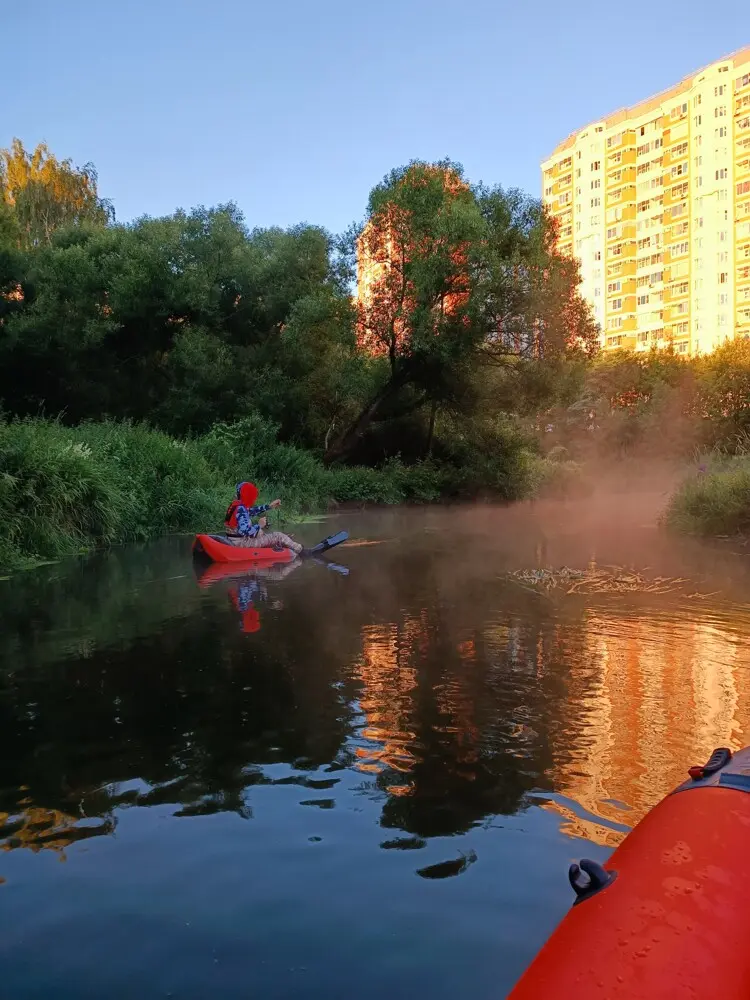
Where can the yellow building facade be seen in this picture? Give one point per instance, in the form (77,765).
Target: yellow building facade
(654,202)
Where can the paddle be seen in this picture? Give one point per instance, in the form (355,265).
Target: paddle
(330,542)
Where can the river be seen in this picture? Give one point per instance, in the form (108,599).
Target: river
(330,785)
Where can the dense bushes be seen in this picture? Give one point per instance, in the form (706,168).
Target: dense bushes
(66,489)
(716,501)
(655,404)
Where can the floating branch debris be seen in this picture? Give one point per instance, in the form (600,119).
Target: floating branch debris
(604,580)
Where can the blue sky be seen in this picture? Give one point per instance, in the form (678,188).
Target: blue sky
(296,109)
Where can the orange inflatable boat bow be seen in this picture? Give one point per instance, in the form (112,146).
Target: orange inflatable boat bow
(668,916)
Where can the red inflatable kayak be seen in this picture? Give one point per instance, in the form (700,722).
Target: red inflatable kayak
(218,549)
(668,915)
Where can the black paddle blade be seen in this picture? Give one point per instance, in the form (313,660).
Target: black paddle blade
(331,541)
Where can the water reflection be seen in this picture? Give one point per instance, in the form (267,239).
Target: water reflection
(418,698)
(662,691)
(246,586)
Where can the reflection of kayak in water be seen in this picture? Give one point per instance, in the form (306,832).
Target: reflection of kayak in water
(666,917)
(218,548)
(246,585)
(210,573)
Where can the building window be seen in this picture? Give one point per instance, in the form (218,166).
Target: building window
(616,304)
(643,300)
(723,278)
(721,174)
(721,111)
(721,132)
(696,100)
(697,121)
(718,91)
(596,184)
(596,165)
(596,202)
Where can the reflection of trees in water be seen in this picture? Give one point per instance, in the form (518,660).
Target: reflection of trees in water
(453,692)
(39,829)
(455,709)
(491,692)
(193,711)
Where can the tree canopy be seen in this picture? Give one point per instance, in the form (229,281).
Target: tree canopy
(48,194)
(454,279)
(465,315)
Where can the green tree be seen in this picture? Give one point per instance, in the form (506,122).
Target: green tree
(48,194)
(454,279)
(185,321)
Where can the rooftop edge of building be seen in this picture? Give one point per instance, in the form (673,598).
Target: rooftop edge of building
(738,58)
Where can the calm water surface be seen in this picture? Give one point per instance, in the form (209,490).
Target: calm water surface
(319,785)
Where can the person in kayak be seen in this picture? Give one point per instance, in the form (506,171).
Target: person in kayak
(239,527)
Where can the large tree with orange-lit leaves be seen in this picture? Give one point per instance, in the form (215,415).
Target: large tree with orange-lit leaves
(452,279)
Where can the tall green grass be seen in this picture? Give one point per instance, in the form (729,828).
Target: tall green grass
(716,501)
(65,490)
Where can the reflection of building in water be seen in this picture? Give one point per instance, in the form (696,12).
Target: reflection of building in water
(650,697)
(392,656)
(389,683)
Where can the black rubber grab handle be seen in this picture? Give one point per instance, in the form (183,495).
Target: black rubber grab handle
(587,878)
(718,759)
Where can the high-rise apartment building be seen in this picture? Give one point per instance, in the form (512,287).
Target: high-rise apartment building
(654,201)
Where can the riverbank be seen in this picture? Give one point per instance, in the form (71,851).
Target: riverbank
(66,490)
(715,501)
